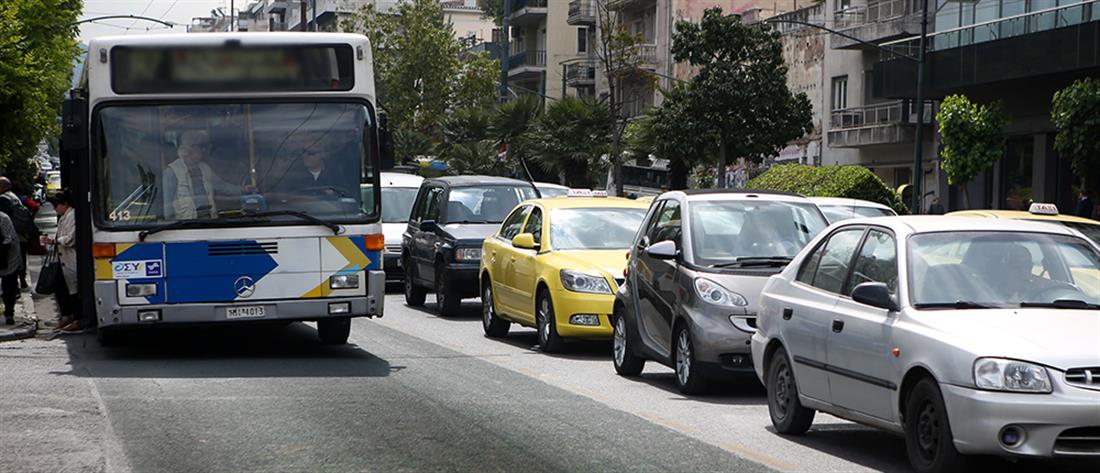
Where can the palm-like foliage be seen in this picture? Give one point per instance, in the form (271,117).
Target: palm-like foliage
(570,138)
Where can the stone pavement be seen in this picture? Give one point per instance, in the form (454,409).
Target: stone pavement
(35,314)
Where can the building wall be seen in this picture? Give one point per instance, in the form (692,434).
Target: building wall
(468,21)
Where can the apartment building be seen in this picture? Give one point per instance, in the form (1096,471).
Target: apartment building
(804,53)
(542,46)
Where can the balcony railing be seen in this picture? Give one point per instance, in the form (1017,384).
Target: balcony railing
(879,20)
(885,123)
(1007,27)
(647,54)
(581,73)
(582,12)
(813,15)
(527,59)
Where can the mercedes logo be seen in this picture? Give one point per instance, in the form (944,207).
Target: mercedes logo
(244,286)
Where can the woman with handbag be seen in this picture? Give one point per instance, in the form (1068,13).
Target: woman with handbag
(10,262)
(65,241)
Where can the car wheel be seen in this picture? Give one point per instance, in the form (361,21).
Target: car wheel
(446,299)
(626,362)
(414,295)
(928,439)
(547,325)
(785,408)
(334,331)
(494,326)
(688,377)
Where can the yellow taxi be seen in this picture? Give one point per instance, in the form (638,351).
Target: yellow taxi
(1040,212)
(555,265)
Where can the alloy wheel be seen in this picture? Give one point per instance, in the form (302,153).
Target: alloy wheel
(544,322)
(619,343)
(487,307)
(683,358)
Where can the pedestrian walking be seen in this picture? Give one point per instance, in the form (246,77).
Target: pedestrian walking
(22,219)
(1085,205)
(9,267)
(66,291)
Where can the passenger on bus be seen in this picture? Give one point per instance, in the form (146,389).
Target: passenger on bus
(190,184)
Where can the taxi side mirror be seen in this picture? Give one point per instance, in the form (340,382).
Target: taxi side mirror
(525,241)
(875,294)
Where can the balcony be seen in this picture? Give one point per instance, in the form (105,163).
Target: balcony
(872,125)
(582,12)
(277,6)
(876,22)
(647,56)
(629,4)
(1030,46)
(526,63)
(527,12)
(581,72)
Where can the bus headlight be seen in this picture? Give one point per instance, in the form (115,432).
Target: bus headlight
(343,281)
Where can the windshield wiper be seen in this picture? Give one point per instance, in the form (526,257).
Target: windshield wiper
(954,305)
(1062,304)
(750,261)
(468,220)
(242,219)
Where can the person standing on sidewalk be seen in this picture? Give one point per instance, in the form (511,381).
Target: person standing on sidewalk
(9,267)
(22,219)
(65,293)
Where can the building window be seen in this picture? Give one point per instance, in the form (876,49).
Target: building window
(582,40)
(840,93)
(842,5)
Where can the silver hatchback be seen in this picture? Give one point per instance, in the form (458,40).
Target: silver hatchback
(696,269)
(967,336)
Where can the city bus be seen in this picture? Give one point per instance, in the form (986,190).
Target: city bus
(216,179)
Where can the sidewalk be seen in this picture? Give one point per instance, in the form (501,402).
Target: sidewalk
(33,311)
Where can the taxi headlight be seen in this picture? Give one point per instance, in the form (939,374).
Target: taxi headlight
(468,254)
(343,281)
(1001,374)
(714,293)
(577,281)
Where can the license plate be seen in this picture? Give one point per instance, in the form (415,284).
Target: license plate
(246,312)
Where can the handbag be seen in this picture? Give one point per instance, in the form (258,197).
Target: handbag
(50,275)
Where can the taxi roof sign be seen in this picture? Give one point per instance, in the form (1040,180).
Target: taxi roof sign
(1043,209)
(586,193)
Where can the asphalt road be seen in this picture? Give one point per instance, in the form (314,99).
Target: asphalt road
(411,392)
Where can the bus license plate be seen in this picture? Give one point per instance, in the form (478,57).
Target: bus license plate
(246,312)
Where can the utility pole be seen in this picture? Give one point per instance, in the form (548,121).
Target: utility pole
(231,13)
(918,173)
(504,50)
(314,14)
(303,25)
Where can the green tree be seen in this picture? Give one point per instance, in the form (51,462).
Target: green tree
(1076,116)
(570,138)
(510,127)
(468,147)
(973,139)
(37,50)
(477,82)
(492,9)
(680,136)
(740,96)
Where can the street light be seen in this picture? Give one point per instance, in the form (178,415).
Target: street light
(918,174)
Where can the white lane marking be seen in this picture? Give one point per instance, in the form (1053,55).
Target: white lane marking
(114,456)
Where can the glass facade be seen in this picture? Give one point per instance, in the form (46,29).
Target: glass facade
(996,19)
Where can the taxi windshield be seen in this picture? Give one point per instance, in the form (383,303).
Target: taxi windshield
(195,163)
(594,228)
(1002,269)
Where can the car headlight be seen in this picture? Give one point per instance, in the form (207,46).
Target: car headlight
(468,254)
(714,293)
(577,281)
(1001,374)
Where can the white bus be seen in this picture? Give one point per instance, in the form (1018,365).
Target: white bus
(217,179)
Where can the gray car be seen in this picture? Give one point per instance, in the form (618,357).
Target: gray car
(696,269)
(967,336)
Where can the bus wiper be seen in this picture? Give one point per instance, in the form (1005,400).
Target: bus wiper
(953,305)
(182,224)
(1062,304)
(242,218)
(750,261)
(294,213)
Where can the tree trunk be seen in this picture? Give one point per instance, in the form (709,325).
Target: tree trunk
(617,159)
(966,198)
(677,175)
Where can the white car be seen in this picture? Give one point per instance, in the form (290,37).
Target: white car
(967,336)
(398,194)
(839,208)
(548,189)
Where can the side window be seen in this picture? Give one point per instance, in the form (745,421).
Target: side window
(809,266)
(431,207)
(877,262)
(647,228)
(667,226)
(510,228)
(835,260)
(534,224)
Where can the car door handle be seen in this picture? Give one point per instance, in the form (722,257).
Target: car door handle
(787,313)
(838,326)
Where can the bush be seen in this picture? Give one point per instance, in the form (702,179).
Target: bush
(854,182)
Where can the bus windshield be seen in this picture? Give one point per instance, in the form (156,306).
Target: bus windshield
(159,164)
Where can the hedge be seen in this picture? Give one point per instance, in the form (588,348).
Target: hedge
(855,182)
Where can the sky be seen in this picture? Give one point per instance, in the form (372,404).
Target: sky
(176,11)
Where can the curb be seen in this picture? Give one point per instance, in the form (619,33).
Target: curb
(26,329)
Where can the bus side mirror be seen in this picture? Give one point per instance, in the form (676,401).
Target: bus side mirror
(74,124)
(385,141)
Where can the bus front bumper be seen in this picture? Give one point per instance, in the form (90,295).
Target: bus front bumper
(110,313)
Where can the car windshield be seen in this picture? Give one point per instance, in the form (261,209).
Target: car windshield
(1091,230)
(485,204)
(553,191)
(1001,269)
(836,213)
(54,179)
(161,164)
(594,228)
(873,212)
(724,231)
(397,203)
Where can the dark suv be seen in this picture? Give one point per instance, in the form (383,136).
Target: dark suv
(441,247)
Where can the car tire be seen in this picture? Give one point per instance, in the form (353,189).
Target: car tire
(622,354)
(789,416)
(928,439)
(414,295)
(446,298)
(546,324)
(495,327)
(688,378)
(334,331)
